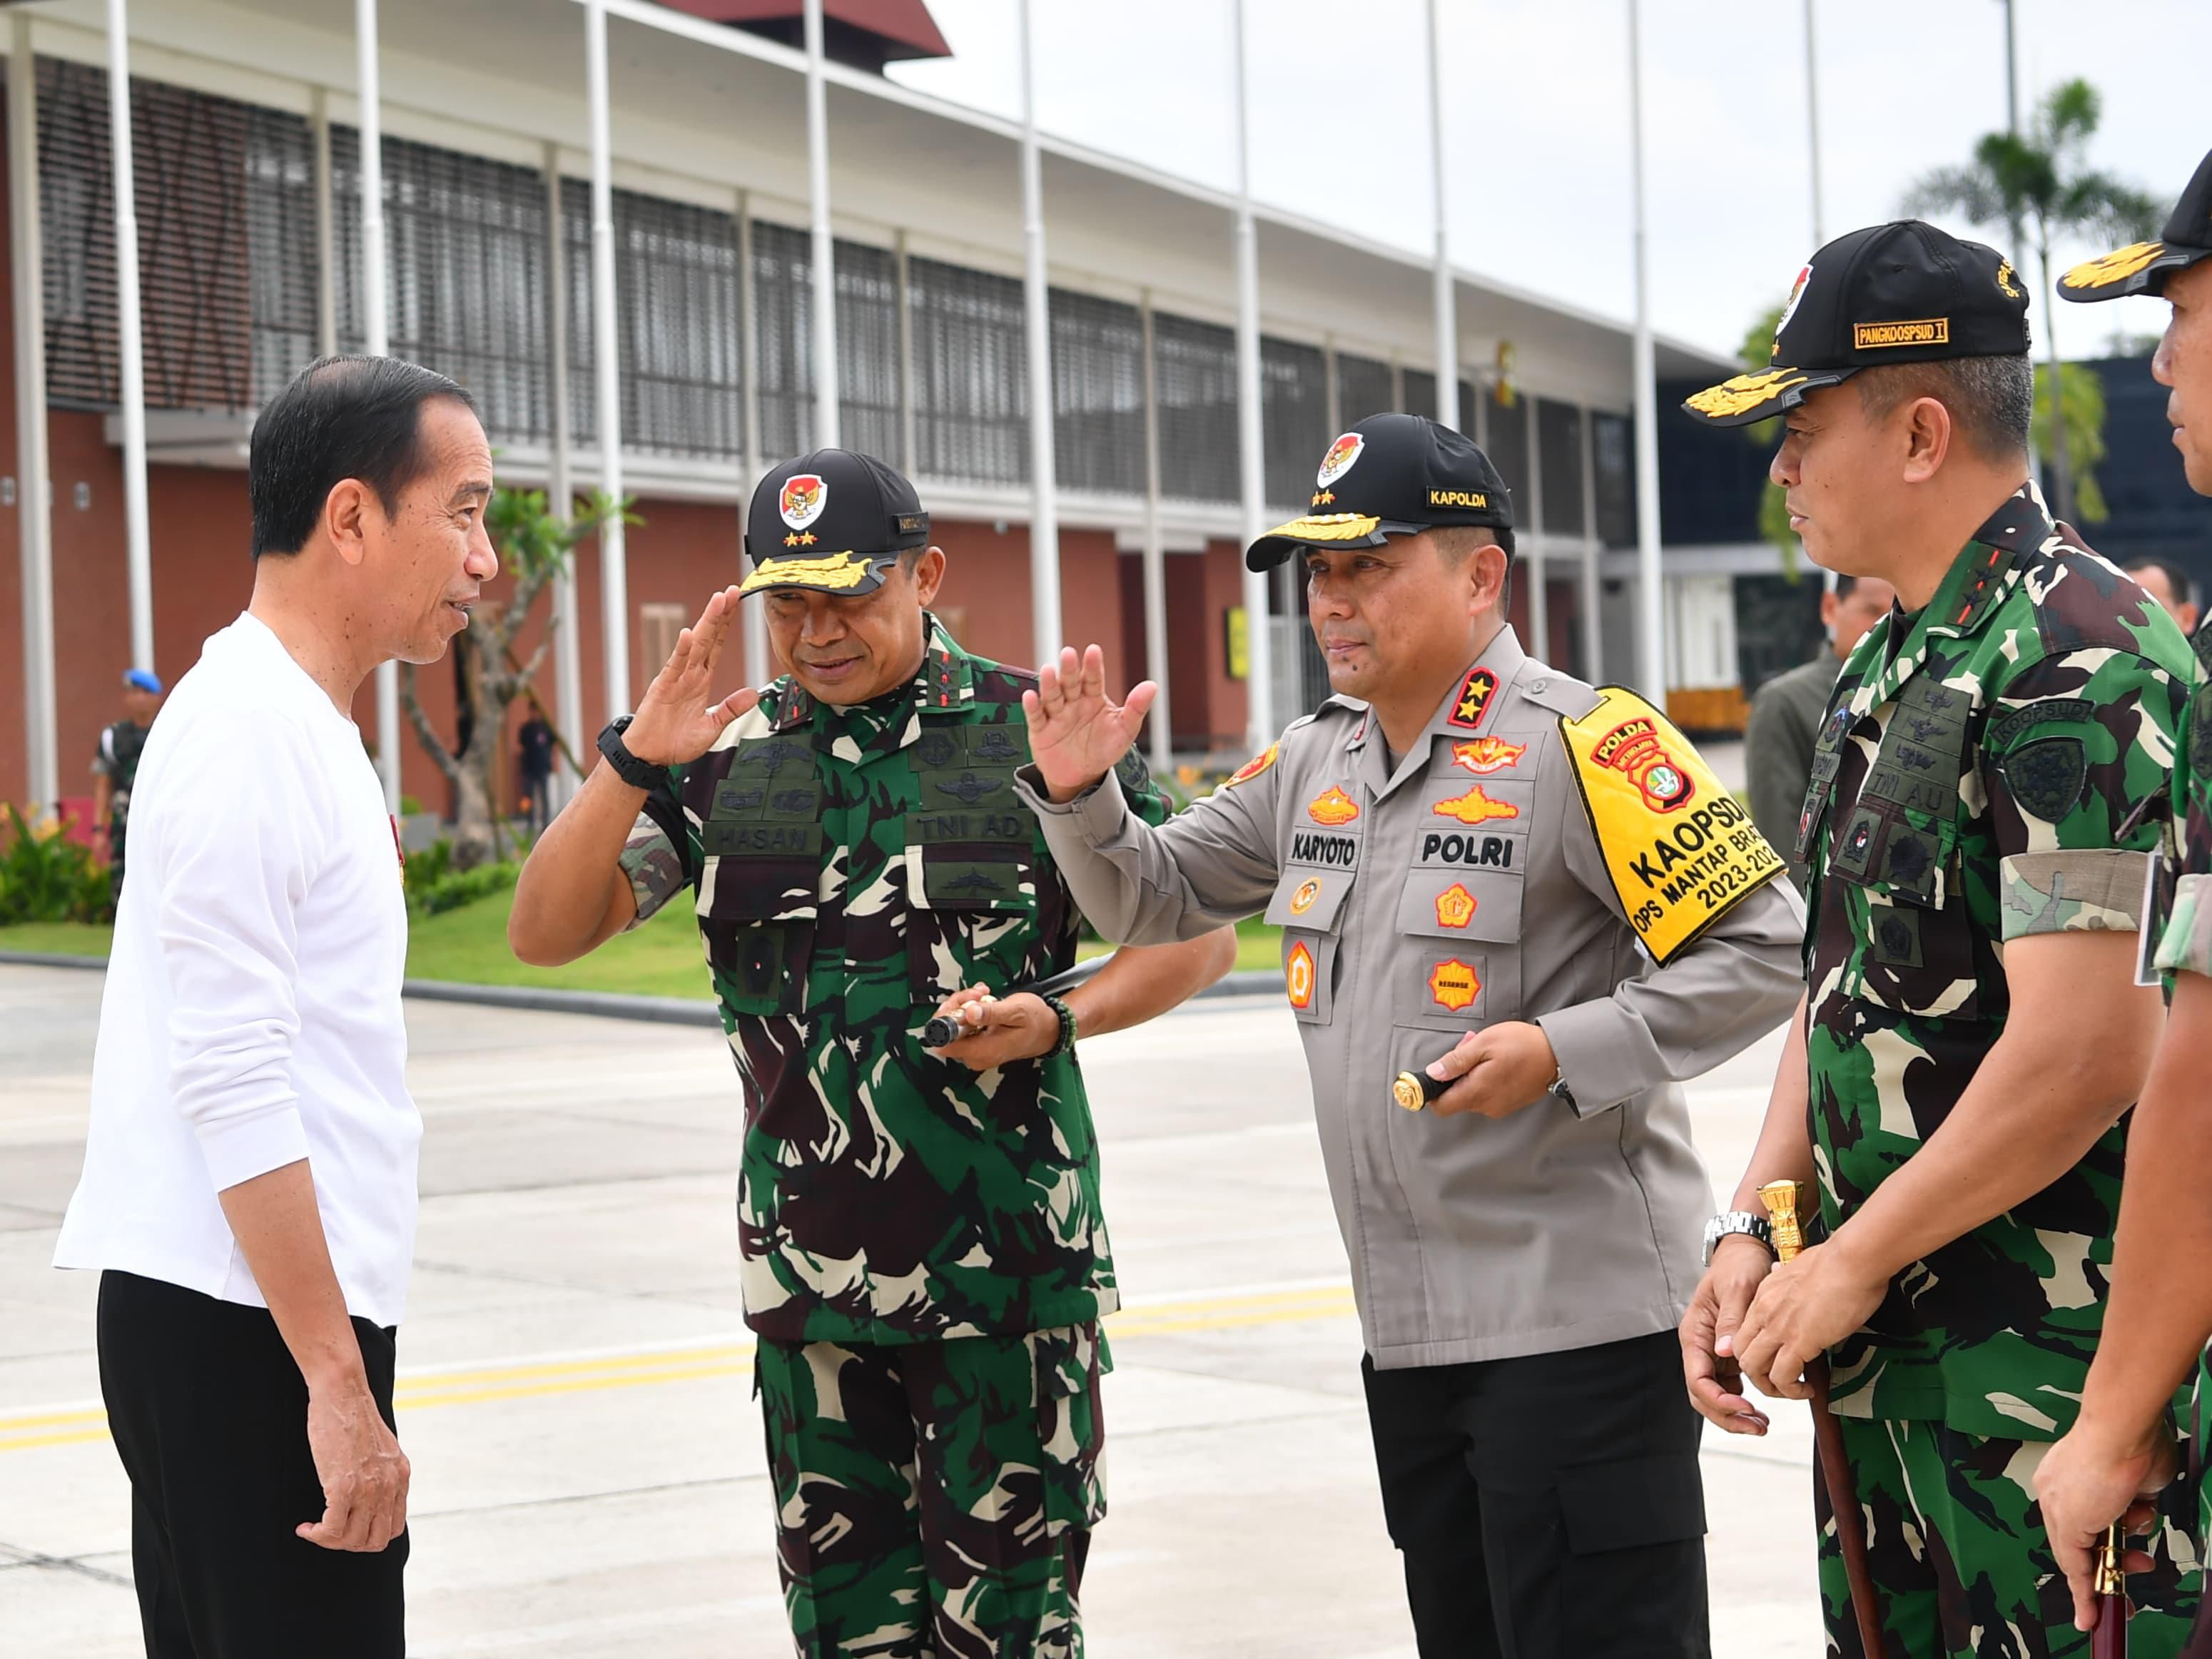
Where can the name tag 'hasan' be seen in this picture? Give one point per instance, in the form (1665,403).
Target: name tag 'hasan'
(1681,852)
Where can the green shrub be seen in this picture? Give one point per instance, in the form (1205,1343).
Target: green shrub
(44,876)
(434,887)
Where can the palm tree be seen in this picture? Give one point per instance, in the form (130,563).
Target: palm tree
(2037,180)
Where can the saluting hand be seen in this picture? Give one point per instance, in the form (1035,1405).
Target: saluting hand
(678,719)
(1075,734)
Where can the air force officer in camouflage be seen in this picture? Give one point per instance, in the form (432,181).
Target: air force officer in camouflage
(1489,873)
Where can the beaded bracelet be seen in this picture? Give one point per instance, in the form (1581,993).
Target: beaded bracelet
(1067,1016)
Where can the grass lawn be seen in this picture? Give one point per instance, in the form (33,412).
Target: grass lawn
(661,958)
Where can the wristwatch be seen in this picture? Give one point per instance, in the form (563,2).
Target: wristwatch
(1729,1223)
(637,773)
(1558,1091)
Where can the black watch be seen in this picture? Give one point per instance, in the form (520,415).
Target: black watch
(637,773)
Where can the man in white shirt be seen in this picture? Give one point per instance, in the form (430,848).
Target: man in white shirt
(249,1192)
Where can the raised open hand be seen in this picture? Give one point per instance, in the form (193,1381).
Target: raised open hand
(678,719)
(1075,734)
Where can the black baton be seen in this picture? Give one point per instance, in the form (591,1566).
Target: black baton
(1414,1090)
(948,1028)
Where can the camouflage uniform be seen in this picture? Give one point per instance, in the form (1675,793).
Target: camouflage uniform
(1982,776)
(116,760)
(923,1254)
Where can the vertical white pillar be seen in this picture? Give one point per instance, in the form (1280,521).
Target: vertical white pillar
(909,435)
(327,256)
(1593,551)
(1036,311)
(752,619)
(1447,302)
(606,325)
(1259,683)
(1155,555)
(561,489)
(33,493)
(376,328)
(1535,544)
(1651,643)
(825,246)
(1812,126)
(130,340)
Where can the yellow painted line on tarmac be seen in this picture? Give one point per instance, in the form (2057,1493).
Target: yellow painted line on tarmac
(479,1384)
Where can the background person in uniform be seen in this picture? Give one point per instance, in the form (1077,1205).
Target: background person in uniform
(1455,846)
(2170,586)
(533,771)
(2121,1449)
(115,764)
(1976,828)
(1786,714)
(248,1194)
(923,1252)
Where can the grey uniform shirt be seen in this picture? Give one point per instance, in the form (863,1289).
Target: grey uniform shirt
(1464,888)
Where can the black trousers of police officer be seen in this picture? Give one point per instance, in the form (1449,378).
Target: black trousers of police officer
(1546,1506)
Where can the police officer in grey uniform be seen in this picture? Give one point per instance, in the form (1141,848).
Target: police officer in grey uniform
(1516,911)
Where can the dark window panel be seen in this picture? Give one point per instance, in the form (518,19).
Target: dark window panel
(1559,452)
(1294,418)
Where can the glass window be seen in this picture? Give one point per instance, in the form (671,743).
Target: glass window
(1560,451)
(1195,380)
(1097,394)
(1293,418)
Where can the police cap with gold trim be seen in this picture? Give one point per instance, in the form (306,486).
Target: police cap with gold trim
(2143,267)
(1392,475)
(833,521)
(1900,293)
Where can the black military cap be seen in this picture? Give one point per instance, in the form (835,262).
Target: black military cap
(1392,475)
(834,520)
(1899,293)
(2143,267)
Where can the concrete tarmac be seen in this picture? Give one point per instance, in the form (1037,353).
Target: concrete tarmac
(574,1367)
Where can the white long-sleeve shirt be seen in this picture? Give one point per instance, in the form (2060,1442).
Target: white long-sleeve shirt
(251,1014)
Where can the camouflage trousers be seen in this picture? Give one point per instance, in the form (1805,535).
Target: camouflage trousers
(935,1500)
(1956,1551)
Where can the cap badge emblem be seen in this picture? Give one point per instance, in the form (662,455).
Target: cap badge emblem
(1332,808)
(1339,460)
(802,499)
(1790,307)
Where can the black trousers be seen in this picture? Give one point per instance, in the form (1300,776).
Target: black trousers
(210,1413)
(1547,1507)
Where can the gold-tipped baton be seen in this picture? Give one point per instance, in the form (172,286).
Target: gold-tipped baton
(1781,1200)
(2109,1640)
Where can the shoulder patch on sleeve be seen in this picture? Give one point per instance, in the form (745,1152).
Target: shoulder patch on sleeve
(2047,776)
(1252,768)
(2048,711)
(1681,851)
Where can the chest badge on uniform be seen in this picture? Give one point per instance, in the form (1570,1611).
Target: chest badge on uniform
(1454,985)
(1455,906)
(1633,748)
(1303,900)
(1483,755)
(1332,808)
(1298,975)
(1473,701)
(1476,806)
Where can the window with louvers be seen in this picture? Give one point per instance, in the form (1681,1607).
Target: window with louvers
(1509,450)
(190,153)
(783,285)
(1611,440)
(675,294)
(281,257)
(1362,388)
(1421,393)
(1293,418)
(1098,394)
(867,350)
(1195,382)
(971,363)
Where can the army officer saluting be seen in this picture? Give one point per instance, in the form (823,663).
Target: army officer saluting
(1490,872)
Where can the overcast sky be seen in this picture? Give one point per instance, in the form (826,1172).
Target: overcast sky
(1536,122)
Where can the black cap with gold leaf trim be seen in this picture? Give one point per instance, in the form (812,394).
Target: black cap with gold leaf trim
(1392,475)
(1899,293)
(834,520)
(2143,267)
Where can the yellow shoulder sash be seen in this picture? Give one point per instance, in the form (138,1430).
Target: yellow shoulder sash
(1682,851)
